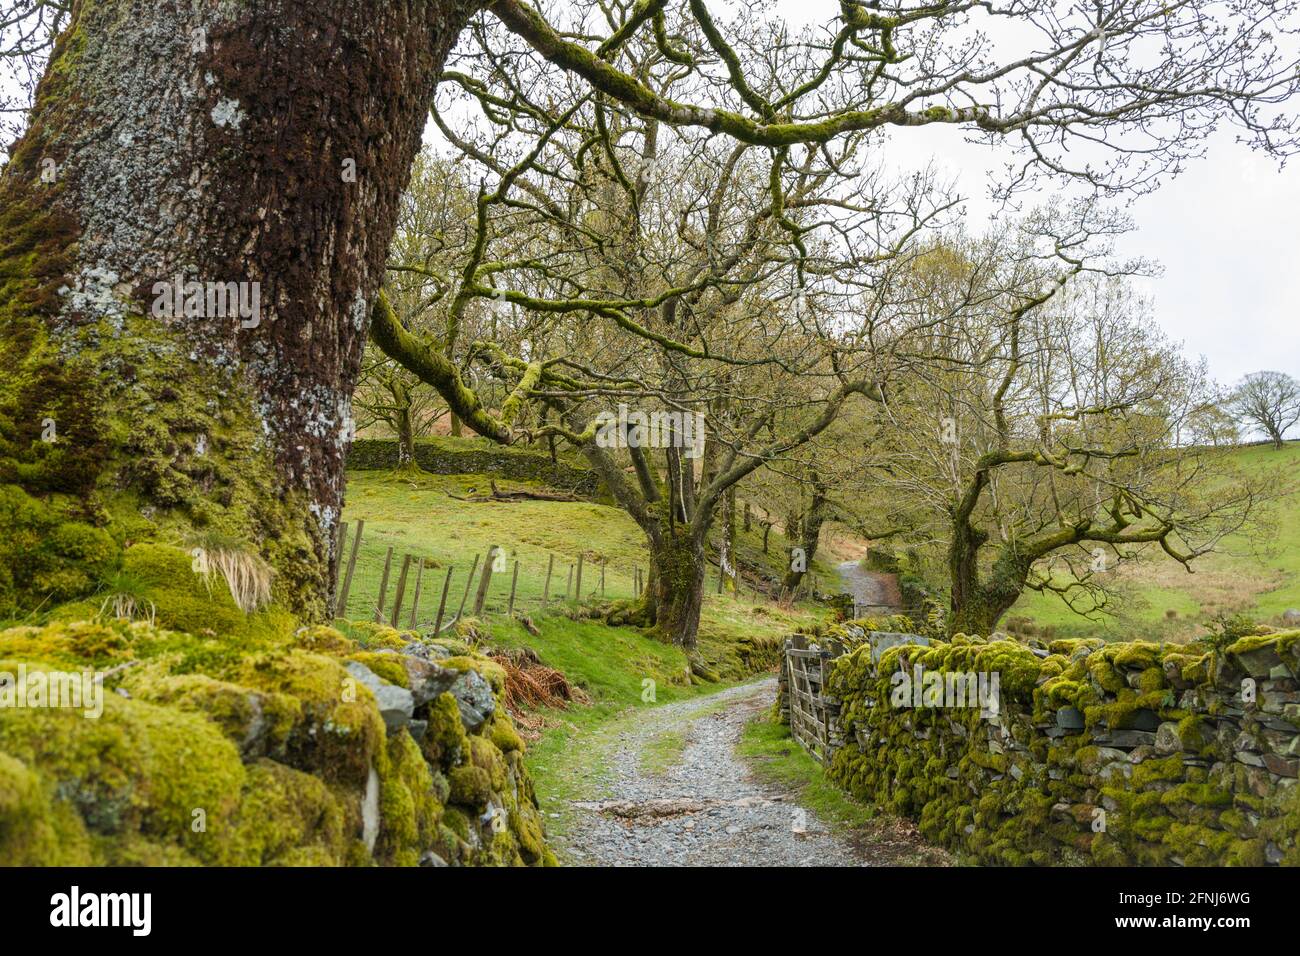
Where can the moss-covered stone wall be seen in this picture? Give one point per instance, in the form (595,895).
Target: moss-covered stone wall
(256,743)
(1115,754)
(448,456)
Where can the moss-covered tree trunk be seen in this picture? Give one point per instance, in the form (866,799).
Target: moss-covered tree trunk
(250,152)
(978,601)
(675,589)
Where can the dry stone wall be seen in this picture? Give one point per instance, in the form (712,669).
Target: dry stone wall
(1114,754)
(452,457)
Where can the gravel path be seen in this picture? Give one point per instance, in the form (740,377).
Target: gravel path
(870,588)
(703,809)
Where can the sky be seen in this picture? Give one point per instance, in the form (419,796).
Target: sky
(1225,234)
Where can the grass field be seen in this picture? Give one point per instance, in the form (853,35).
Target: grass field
(1260,578)
(425,517)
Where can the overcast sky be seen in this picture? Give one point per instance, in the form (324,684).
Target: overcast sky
(1225,232)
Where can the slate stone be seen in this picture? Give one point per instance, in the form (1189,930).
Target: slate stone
(1069,718)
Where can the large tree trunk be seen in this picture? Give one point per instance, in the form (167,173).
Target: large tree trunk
(264,143)
(675,590)
(981,612)
(976,604)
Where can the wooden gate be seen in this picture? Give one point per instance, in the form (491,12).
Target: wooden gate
(811,711)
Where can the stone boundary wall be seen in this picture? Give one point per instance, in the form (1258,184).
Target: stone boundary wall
(1112,754)
(377,454)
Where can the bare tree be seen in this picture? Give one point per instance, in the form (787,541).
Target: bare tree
(1269,401)
(27,32)
(1043,435)
(645,275)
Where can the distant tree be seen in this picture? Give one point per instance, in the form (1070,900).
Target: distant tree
(1270,401)
(1044,435)
(389,396)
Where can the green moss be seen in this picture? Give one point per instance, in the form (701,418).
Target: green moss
(410,811)
(374,636)
(494,672)
(387,666)
(1200,794)
(336,729)
(159,779)
(137,769)
(1104,673)
(1191,732)
(1152,771)
(245,716)
(1137,655)
(501,731)
(75,645)
(34,830)
(1160,810)
(186,600)
(323,640)
(287,817)
(445,742)
(45,557)
(471,786)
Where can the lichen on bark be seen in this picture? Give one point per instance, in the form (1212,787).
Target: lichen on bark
(207,142)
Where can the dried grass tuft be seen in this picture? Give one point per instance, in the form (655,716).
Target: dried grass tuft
(530,684)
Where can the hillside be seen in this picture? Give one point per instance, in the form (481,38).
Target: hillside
(1163,600)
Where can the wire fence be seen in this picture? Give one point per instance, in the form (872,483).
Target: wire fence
(417,592)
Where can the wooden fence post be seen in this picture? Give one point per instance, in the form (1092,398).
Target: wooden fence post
(603,564)
(577,592)
(342,609)
(415,598)
(514,582)
(546,591)
(442,604)
(568,584)
(470,580)
(383,587)
(338,566)
(485,580)
(401,590)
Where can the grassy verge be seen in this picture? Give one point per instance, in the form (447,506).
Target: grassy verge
(883,839)
(776,758)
